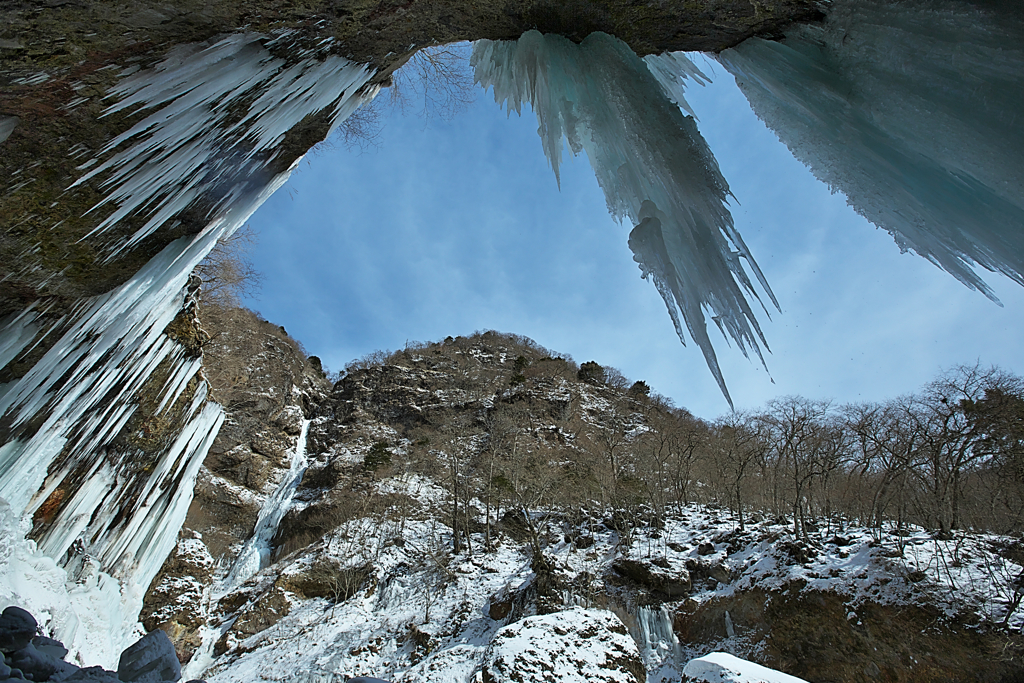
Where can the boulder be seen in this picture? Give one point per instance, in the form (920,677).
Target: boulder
(92,674)
(49,646)
(41,666)
(663,584)
(573,646)
(17,628)
(702,571)
(150,660)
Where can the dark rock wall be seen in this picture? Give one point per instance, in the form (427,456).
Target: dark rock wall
(268,387)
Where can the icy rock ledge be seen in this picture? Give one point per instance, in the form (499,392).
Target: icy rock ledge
(37,658)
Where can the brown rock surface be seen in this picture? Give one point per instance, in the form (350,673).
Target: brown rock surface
(810,634)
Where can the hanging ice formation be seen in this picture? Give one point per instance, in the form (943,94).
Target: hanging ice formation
(656,639)
(912,109)
(100,493)
(653,165)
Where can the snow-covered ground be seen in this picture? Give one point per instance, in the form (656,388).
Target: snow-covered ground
(426,614)
(722,667)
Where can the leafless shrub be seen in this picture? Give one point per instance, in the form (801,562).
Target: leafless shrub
(227,273)
(374,359)
(439,75)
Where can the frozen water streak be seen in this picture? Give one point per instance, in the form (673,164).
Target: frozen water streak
(255,554)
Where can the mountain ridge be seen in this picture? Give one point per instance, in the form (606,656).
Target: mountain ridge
(492,466)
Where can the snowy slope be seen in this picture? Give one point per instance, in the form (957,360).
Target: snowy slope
(426,614)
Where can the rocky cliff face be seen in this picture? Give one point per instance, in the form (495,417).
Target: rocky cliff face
(454,491)
(268,388)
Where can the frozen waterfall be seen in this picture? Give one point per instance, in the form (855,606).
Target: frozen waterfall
(104,512)
(255,553)
(654,167)
(656,639)
(912,109)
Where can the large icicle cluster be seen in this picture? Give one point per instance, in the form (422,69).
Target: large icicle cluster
(653,165)
(215,116)
(912,109)
(194,144)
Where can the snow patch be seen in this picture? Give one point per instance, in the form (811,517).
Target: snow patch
(722,667)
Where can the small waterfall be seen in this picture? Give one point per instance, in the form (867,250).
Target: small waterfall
(656,639)
(255,554)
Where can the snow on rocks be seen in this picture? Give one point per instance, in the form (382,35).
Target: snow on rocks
(38,658)
(721,667)
(577,645)
(421,613)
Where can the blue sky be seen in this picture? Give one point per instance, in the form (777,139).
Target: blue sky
(448,227)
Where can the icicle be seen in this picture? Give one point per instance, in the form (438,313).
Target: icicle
(911,109)
(671,69)
(654,167)
(656,639)
(193,144)
(17,331)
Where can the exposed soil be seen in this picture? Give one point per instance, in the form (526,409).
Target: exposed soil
(822,638)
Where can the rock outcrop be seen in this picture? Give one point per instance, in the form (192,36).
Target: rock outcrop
(268,388)
(572,646)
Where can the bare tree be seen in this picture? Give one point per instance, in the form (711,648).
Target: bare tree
(440,75)
(227,273)
(738,441)
(800,426)
(953,439)
(886,439)
(503,424)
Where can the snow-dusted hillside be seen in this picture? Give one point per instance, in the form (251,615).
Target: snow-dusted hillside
(422,613)
(448,518)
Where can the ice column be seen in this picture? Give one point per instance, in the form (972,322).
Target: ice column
(912,109)
(654,167)
(657,641)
